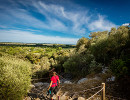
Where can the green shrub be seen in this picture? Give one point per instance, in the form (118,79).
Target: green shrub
(118,67)
(15,77)
(95,67)
(78,64)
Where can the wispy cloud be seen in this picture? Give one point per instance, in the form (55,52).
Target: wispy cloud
(28,37)
(53,17)
(58,18)
(101,24)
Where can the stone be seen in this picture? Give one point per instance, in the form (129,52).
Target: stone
(104,70)
(38,84)
(81,98)
(32,86)
(46,84)
(82,80)
(63,97)
(68,82)
(111,79)
(75,96)
(27,98)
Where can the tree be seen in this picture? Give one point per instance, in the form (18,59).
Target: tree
(113,31)
(82,42)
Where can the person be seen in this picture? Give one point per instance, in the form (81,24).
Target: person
(54,84)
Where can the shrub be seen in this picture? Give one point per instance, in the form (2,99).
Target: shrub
(118,67)
(78,64)
(95,67)
(15,77)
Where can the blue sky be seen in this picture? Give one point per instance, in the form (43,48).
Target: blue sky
(59,21)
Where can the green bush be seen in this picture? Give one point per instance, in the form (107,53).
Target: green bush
(118,67)
(15,77)
(78,64)
(95,67)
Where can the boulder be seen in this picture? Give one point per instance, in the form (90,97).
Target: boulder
(111,79)
(27,98)
(104,70)
(81,98)
(64,96)
(32,86)
(82,80)
(38,84)
(68,82)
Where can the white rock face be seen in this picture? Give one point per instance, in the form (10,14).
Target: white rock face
(81,98)
(68,82)
(38,84)
(82,80)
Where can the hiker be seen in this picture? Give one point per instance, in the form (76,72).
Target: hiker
(54,84)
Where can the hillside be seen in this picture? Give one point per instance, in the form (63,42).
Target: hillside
(90,59)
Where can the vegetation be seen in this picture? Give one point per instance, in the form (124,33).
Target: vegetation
(90,56)
(104,47)
(15,76)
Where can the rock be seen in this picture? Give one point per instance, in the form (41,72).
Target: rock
(75,96)
(27,98)
(46,84)
(38,84)
(82,80)
(81,98)
(63,97)
(62,80)
(68,82)
(104,70)
(111,79)
(32,86)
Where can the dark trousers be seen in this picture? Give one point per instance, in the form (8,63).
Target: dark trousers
(54,90)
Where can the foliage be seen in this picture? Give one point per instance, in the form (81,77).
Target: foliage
(95,67)
(81,43)
(15,77)
(106,46)
(45,64)
(41,58)
(80,65)
(118,67)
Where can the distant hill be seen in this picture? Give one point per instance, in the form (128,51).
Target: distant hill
(36,44)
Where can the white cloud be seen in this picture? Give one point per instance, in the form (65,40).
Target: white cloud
(57,18)
(101,24)
(126,24)
(69,21)
(29,37)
